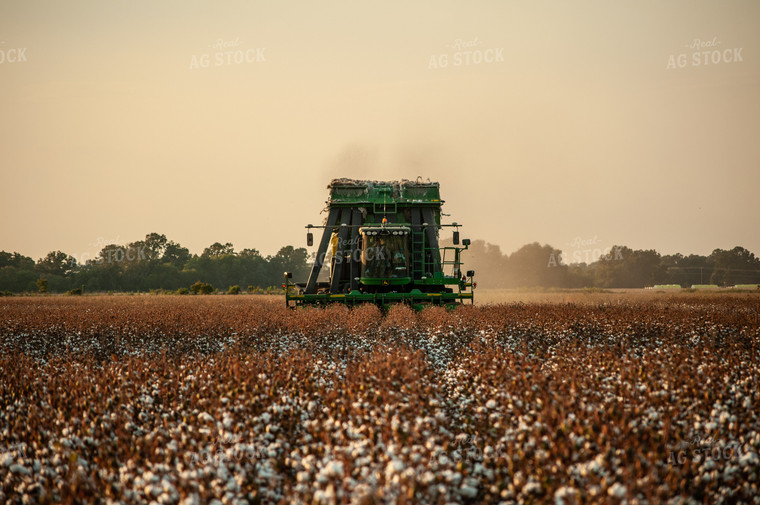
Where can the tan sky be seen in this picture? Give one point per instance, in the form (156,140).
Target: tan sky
(224,121)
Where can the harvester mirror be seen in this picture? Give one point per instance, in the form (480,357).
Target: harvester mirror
(466,242)
(470,273)
(288,275)
(309,239)
(456,238)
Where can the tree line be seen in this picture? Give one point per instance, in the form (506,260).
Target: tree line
(154,263)
(157,263)
(536,265)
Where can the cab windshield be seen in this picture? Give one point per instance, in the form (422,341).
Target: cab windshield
(385,254)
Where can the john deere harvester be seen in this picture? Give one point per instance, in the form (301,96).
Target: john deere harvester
(380,241)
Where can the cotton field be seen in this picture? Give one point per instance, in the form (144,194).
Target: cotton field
(232,400)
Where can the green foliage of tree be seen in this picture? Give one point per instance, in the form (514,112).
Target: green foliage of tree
(287,259)
(536,265)
(176,255)
(18,280)
(16,260)
(201,288)
(688,270)
(217,250)
(42,285)
(56,263)
(489,263)
(623,267)
(737,266)
(234,290)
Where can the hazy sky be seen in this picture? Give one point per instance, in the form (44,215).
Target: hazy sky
(631,123)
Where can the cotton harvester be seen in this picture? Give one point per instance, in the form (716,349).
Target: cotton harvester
(380,240)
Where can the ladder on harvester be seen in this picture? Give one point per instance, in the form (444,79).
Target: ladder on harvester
(417,245)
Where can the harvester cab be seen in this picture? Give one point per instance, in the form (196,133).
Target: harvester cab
(380,241)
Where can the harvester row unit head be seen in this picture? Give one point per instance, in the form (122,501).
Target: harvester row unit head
(380,241)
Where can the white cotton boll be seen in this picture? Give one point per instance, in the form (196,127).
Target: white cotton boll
(334,468)
(428,478)
(21,470)
(191,499)
(565,493)
(152,491)
(393,467)
(749,458)
(468,491)
(531,487)
(617,490)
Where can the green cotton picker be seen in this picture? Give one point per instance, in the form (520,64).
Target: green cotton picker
(380,241)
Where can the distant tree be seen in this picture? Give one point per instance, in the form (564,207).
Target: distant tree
(111,253)
(42,285)
(17,280)
(218,249)
(201,288)
(155,245)
(16,260)
(250,253)
(288,259)
(623,267)
(737,266)
(687,270)
(609,269)
(489,263)
(56,263)
(176,255)
(579,275)
(537,265)
(234,290)
(137,251)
